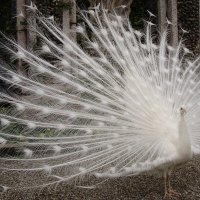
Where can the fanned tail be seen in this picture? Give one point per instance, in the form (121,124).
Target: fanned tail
(107,110)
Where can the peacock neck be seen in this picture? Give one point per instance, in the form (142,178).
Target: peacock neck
(184,143)
(182,128)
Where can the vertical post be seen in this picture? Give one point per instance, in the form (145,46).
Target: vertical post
(67,26)
(162,14)
(20,27)
(31,35)
(73,20)
(173,17)
(66,19)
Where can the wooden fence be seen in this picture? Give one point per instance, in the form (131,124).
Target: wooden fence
(167,9)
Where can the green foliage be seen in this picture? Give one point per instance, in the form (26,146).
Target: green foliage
(7,22)
(139,12)
(64,5)
(23,22)
(17,129)
(46,133)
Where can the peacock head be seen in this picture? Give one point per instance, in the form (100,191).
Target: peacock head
(183,111)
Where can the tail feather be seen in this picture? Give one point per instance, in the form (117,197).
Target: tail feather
(107,110)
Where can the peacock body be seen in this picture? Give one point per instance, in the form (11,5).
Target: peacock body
(123,105)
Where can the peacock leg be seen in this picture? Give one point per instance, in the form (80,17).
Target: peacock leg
(169,192)
(170,189)
(166,184)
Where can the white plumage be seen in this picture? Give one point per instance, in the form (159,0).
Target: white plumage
(120,106)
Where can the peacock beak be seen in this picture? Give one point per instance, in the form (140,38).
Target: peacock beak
(183,111)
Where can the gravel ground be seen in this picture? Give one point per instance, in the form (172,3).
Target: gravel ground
(185,180)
